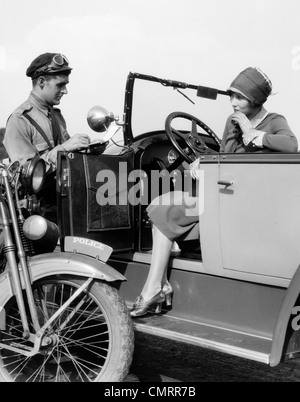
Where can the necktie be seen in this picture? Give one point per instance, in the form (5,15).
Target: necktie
(55,127)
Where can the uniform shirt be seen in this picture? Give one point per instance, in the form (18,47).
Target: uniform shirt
(23,141)
(276,135)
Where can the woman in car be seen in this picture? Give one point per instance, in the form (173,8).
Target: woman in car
(251,128)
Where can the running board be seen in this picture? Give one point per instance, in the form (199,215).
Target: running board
(208,336)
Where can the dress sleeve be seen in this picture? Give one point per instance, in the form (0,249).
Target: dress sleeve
(280,138)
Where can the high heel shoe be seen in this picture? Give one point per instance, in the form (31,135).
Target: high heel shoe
(167,291)
(142,307)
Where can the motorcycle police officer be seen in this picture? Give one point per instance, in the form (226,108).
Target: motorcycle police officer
(36,127)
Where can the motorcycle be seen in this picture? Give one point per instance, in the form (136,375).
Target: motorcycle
(62,318)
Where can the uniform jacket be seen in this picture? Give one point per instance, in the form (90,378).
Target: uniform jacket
(23,141)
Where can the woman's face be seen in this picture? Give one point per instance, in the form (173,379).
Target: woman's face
(243,105)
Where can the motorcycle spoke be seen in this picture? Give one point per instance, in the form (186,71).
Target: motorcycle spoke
(82,374)
(79,363)
(20,366)
(59,371)
(69,317)
(84,339)
(77,325)
(95,350)
(38,373)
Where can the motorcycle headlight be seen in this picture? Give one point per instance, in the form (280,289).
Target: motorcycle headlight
(34,175)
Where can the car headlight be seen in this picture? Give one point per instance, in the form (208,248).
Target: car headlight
(34,174)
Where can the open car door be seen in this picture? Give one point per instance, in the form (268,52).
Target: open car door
(93,198)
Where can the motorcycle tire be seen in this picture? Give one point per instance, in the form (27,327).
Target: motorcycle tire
(92,340)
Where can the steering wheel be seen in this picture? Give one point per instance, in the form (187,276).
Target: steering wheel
(195,143)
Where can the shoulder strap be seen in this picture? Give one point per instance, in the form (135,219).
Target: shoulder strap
(39,129)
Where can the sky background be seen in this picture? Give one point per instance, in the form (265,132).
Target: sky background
(206,42)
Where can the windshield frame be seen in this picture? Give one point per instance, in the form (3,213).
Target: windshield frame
(201,92)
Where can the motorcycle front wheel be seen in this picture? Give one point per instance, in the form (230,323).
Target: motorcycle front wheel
(90,341)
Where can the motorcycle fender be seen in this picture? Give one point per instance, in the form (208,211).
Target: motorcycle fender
(81,245)
(58,263)
(61,263)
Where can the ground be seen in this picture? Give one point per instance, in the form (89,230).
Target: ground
(161,360)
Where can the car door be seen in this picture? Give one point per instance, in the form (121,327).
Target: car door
(93,198)
(259,215)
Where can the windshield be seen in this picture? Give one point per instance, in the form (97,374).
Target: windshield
(153,102)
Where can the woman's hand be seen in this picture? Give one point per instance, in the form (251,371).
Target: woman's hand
(248,132)
(242,120)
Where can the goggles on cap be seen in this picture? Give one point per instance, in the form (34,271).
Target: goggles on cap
(58,60)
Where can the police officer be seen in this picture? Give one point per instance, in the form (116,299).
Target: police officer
(30,128)
(36,126)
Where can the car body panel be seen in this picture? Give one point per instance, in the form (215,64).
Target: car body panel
(210,311)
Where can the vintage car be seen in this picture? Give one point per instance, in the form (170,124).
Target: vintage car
(235,291)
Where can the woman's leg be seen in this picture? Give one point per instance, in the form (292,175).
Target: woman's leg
(168,212)
(161,251)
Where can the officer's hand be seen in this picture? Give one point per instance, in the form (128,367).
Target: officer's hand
(77,141)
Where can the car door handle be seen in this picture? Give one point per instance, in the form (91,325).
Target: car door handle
(225,183)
